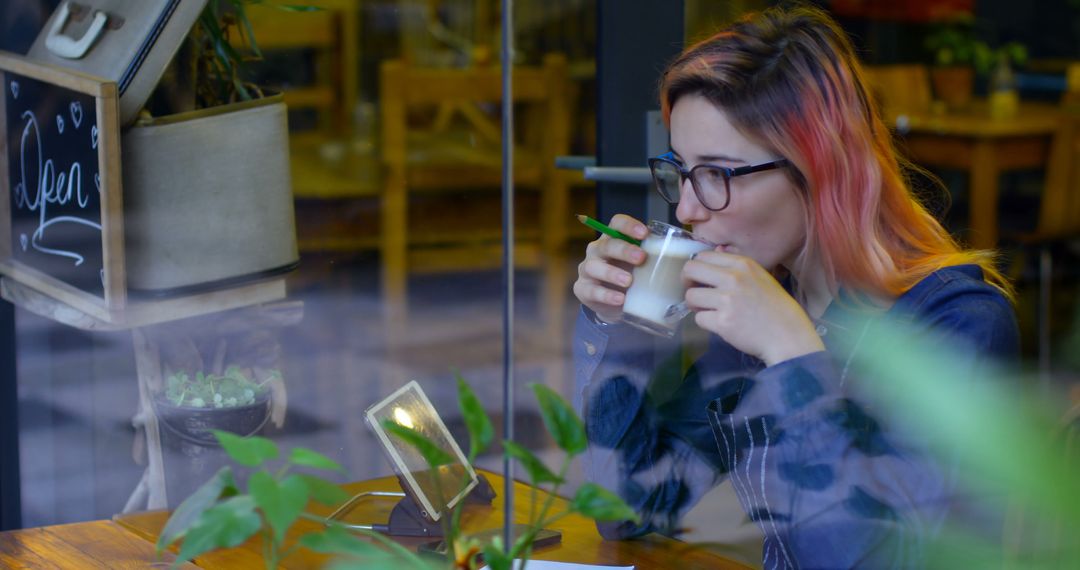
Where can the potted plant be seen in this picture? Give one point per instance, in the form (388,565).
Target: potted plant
(226,512)
(193,406)
(223,160)
(958,55)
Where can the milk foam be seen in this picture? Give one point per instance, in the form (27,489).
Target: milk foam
(673,246)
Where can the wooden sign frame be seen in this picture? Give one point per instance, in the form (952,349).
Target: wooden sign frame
(110,306)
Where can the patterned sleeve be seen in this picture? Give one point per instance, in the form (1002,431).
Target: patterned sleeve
(833,476)
(649,434)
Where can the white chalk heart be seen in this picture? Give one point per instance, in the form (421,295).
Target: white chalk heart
(15,89)
(60,123)
(23,241)
(97,181)
(76,114)
(93,136)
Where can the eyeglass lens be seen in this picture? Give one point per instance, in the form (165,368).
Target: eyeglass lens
(710,183)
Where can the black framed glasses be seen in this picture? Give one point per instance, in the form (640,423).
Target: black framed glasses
(711,183)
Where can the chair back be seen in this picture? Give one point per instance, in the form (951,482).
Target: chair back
(329,37)
(441,134)
(1059,215)
(472,97)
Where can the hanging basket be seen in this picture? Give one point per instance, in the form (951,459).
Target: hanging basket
(194,425)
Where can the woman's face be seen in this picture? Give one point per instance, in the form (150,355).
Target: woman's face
(764,219)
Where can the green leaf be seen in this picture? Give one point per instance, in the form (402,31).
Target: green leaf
(432,454)
(225,525)
(494,556)
(336,540)
(313,459)
(249,33)
(598,503)
(280,502)
(1001,429)
(481,432)
(323,491)
(561,421)
(538,472)
(248,451)
(189,511)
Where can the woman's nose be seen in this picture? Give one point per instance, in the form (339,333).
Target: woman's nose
(689,210)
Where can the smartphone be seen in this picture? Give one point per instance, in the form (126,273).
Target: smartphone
(544,537)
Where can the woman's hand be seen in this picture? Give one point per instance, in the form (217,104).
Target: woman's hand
(605,273)
(736,298)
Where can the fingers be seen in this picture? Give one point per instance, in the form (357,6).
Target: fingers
(601,285)
(706,298)
(598,270)
(605,273)
(597,297)
(722,259)
(719,269)
(619,250)
(629,226)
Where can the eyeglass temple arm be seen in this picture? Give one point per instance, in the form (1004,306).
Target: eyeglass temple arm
(759,167)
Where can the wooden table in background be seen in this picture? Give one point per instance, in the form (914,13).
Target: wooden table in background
(580,541)
(984,147)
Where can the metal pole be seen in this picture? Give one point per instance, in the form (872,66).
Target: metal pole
(508,264)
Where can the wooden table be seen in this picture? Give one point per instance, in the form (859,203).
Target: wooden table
(983,146)
(79,546)
(580,541)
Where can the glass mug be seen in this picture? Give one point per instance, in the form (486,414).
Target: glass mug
(655,300)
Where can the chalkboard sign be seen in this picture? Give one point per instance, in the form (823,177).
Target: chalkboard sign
(55,205)
(59,168)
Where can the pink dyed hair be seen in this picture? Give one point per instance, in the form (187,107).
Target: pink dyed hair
(790,80)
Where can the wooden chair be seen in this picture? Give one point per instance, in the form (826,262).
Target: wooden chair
(457,154)
(1059,212)
(321,161)
(330,37)
(899,89)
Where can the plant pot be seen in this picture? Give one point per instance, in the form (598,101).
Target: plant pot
(194,425)
(953,85)
(208,199)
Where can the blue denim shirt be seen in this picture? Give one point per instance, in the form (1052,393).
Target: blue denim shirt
(815,461)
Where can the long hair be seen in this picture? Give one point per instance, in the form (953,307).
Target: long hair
(790,81)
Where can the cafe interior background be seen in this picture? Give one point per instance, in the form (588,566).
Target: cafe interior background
(396,191)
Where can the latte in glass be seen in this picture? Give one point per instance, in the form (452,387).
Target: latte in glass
(655,300)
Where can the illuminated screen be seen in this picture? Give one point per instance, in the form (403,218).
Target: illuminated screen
(410,407)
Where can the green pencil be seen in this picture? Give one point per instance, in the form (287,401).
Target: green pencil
(600,227)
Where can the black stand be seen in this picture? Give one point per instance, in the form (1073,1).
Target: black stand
(483,493)
(407,519)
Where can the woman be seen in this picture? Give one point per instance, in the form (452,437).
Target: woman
(822,241)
